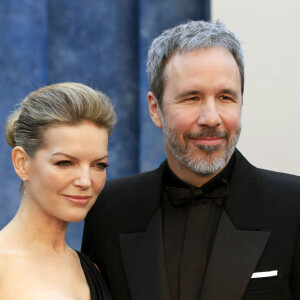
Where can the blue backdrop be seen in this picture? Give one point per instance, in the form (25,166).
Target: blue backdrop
(102,43)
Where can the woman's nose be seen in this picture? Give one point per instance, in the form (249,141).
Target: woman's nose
(83,179)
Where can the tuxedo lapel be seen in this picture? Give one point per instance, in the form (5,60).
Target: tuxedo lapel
(143,259)
(239,243)
(233,259)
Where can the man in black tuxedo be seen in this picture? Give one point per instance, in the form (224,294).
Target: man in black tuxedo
(206,224)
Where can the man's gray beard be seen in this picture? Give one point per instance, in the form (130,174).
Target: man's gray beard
(204,164)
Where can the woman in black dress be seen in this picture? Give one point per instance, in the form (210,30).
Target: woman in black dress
(59,135)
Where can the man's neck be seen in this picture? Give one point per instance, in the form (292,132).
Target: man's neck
(189,176)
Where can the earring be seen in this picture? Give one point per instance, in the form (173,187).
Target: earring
(24,187)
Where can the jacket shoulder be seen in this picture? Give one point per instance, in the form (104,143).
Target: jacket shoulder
(277,180)
(123,194)
(130,185)
(281,188)
(281,180)
(277,190)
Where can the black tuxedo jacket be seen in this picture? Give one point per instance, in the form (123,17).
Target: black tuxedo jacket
(258,232)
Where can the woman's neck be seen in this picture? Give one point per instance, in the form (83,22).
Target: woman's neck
(31,228)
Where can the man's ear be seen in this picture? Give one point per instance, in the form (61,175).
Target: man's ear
(20,161)
(154,110)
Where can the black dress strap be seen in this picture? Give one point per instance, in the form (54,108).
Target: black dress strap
(98,287)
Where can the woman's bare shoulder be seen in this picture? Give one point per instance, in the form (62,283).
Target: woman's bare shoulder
(9,255)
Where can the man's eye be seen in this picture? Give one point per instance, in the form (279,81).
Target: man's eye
(195,98)
(223,97)
(63,163)
(102,166)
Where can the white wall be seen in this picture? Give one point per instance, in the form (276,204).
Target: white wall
(270,35)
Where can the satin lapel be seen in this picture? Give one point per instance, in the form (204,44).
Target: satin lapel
(233,259)
(239,243)
(243,204)
(143,259)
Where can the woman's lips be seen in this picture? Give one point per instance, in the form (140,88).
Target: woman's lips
(82,200)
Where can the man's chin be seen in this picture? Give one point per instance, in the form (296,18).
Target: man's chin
(207,167)
(207,162)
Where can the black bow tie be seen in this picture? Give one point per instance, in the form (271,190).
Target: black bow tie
(182,196)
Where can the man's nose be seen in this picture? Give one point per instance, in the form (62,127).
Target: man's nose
(83,179)
(209,114)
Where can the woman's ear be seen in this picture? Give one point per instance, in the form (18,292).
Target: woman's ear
(20,161)
(154,110)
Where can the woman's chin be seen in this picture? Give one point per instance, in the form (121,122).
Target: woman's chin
(75,218)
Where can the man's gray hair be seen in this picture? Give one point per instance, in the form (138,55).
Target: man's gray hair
(187,37)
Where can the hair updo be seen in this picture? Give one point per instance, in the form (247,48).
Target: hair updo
(67,103)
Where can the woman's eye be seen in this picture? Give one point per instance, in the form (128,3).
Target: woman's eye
(102,166)
(63,163)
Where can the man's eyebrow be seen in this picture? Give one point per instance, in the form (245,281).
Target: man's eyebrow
(195,92)
(73,157)
(188,93)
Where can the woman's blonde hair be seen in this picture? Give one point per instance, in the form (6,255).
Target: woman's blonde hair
(67,102)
